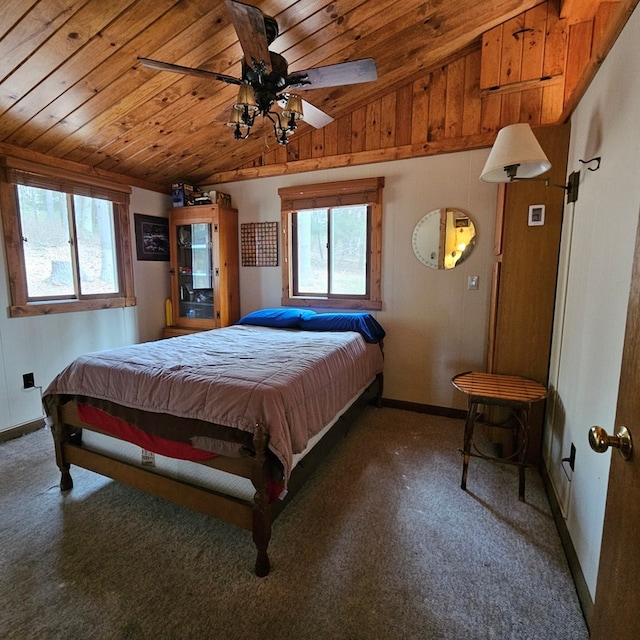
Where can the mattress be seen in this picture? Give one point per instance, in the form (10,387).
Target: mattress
(189,471)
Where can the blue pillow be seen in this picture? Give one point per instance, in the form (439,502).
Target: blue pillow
(364,323)
(284,318)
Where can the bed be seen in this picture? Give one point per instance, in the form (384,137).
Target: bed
(230,421)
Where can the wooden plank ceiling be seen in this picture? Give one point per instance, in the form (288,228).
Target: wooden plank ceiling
(72,88)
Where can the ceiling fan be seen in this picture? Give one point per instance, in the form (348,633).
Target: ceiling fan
(266,80)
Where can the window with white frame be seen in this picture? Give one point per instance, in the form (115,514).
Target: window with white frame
(332,244)
(66,240)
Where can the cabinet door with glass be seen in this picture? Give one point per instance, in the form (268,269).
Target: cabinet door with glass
(204,267)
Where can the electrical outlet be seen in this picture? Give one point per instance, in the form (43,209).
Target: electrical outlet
(28,381)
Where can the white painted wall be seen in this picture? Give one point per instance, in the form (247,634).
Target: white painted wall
(151,277)
(596,259)
(46,344)
(435,326)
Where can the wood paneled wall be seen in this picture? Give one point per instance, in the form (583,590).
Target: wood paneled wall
(525,70)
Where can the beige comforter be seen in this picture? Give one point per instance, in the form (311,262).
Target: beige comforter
(293,382)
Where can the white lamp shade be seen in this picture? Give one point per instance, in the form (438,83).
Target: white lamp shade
(515,145)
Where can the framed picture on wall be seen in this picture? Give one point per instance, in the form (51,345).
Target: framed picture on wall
(152,237)
(536,215)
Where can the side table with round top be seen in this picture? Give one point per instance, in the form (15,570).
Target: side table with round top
(515,393)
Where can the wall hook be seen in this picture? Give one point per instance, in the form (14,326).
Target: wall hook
(596,159)
(515,34)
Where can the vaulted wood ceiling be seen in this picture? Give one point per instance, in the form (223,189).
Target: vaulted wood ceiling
(72,87)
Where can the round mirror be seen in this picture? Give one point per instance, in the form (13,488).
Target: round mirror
(444,238)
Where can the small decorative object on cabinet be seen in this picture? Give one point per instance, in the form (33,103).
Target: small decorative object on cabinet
(204,268)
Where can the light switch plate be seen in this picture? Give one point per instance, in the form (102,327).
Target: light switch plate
(536,215)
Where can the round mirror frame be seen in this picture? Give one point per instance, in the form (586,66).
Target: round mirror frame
(444,238)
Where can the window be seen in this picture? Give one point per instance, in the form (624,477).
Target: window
(330,249)
(332,244)
(66,239)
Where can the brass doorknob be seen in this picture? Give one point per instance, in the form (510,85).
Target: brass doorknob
(600,441)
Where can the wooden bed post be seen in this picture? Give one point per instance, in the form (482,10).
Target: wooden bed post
(261,506)
(60,436)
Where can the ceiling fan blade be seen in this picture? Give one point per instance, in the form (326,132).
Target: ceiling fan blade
(314,116)
(248,22)
(335,75)
(200,73)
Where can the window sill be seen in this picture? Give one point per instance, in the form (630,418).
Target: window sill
(48,308)
(333,303)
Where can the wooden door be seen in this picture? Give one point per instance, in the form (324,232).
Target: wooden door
(617,603)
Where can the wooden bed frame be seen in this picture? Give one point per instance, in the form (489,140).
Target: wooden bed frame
(255,516)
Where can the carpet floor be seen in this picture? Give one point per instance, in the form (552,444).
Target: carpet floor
(381,543)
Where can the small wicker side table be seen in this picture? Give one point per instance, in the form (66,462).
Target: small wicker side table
(517,393)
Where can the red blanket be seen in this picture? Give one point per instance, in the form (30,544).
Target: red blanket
(125,431)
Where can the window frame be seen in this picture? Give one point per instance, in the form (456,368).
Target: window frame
(14,171)
(367,192)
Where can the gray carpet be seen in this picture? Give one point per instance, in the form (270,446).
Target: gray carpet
(381,543)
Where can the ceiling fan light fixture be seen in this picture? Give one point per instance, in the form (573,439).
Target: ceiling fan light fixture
(241,129)
(235,119)
(246,100)
(266,80)
(282,137)
(293,108)
(292,112)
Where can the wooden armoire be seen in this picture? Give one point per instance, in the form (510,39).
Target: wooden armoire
(204,268)
(525,273)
